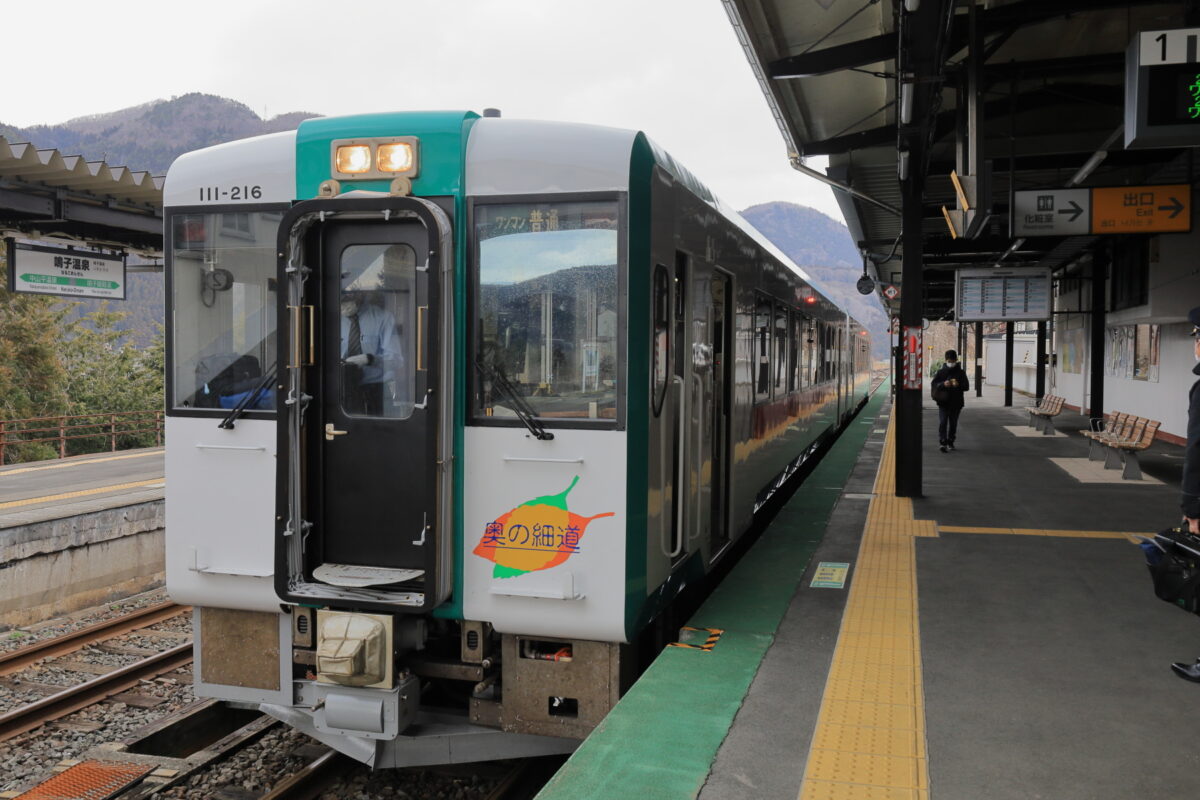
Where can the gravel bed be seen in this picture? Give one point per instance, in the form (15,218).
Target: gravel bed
(255,768)
(20,637)
(362,784)
(31,757)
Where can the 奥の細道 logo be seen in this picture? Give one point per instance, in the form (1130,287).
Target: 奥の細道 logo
(539,534)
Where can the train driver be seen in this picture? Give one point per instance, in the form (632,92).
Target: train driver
(371,354)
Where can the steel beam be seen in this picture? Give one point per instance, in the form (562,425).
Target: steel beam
(833,59)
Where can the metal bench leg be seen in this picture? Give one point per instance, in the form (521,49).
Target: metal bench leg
(1032,420)
(1048,428)
(1094,453)
(1133,470)
(1112,459)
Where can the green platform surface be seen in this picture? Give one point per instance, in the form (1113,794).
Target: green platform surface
(662,737)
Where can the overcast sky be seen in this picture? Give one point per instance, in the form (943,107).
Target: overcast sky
(672,68)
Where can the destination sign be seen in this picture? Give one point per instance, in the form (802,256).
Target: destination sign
(997,294)
(1165,208)
(64,271)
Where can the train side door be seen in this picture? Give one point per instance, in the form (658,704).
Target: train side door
(720,376)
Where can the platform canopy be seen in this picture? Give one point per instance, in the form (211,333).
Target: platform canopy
(46,194)
(1023,94)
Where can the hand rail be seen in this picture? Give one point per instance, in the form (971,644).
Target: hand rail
(63,428)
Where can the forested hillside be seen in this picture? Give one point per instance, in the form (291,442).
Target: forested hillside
(823,247)
(151,136)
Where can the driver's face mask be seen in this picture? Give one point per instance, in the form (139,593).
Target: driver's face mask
(349,308)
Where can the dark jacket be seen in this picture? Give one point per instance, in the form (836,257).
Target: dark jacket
(1190,498)
(955,393)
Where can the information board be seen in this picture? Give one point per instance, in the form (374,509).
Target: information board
(1000,295)
(65,271)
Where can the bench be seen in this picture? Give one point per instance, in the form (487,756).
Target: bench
(1041,416)
(1118,425)
(1123,452)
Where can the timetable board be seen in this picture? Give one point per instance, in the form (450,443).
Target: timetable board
(1000,295)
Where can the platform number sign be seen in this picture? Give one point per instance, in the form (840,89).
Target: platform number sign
(1162,89)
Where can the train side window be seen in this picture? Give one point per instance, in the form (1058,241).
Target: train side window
(795,332)
(780,352)
(762,349)
(662,336)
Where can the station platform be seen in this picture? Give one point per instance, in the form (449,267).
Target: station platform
(996,638)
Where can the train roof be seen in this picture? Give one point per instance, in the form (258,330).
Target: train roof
(504,156)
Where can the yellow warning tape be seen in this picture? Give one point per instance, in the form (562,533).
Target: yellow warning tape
(78,463)
(713,635)
(82,493)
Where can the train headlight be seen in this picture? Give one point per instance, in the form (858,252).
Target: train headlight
(395,157)
(353,159)
(384,157)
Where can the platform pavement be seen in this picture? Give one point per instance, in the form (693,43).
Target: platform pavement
(44,490)
(1040,653)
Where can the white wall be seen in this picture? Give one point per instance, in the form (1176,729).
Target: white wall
(1024,363)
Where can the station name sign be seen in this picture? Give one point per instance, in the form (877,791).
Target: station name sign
(1163,208)
(1001,295)
(65,271)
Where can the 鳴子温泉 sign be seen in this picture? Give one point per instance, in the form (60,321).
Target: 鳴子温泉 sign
(65,271)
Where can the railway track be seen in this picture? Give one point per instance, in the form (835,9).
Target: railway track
(18,660)
(36,714)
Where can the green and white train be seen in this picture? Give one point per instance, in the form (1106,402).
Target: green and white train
(457,405)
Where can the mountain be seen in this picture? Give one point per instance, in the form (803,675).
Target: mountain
(150,136)
(823,247)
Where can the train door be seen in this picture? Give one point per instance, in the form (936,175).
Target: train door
(719,382)
(374,485)
(680,406)
(365,446)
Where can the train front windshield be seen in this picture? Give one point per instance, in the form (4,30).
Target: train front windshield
(547,309)
(223,309)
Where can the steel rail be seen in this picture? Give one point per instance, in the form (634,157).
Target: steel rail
(65,702)
(313,779)
(61,645)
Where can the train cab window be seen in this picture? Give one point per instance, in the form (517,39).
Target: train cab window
(546,310)
(222,269)
(780,352)
(662,337)
(762,349)
(378,308)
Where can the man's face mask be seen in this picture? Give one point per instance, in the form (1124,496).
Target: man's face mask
(349,308)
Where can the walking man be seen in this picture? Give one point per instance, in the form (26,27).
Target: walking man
(1190,493)
(948,387)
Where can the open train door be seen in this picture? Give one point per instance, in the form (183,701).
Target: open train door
(364,435)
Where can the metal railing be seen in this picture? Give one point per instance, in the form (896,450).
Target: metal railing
(66,428)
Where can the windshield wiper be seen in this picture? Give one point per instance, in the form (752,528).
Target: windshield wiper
(250,398)
(496,375)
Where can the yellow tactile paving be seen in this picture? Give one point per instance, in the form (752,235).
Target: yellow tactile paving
(81,493)
(869,743)
(1040,532)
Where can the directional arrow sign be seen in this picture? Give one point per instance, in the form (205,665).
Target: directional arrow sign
(1142,209)
(1052,212)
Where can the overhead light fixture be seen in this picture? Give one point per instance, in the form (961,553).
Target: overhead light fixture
(906,102)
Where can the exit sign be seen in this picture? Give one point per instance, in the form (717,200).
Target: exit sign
(1162,89)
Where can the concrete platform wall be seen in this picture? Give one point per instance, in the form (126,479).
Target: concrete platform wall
(58,566)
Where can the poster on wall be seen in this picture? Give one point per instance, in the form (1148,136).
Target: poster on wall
(1145,366)
(1119,351)
(1070,345)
